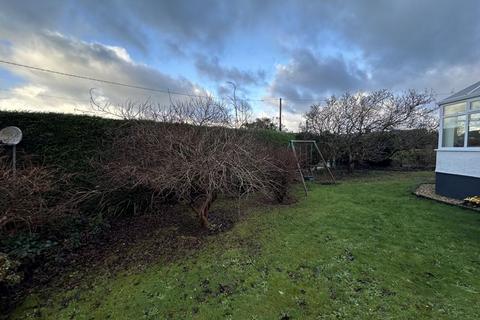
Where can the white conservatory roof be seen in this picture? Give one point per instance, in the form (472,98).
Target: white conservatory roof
(472,91)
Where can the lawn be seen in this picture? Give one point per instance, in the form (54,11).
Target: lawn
(364,249)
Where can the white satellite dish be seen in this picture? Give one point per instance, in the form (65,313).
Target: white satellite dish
(11,136)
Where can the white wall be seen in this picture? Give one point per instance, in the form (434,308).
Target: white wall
(463,162)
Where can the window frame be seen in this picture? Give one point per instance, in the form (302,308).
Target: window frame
(468,111)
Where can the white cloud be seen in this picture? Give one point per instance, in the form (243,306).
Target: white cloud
(122,53)
(36,98)
(42,91)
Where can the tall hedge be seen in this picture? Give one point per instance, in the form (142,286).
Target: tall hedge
(70,141)
(61,140)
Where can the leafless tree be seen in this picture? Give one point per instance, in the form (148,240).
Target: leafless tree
(350,117)
(194,164)
(189,151)
(244,112)
(196,110)
(241,108)
(233,100)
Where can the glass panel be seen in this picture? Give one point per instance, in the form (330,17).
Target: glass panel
(453,131)
(454,109)
(474,130)
(475,105)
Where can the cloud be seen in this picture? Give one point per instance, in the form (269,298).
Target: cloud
(420,33)
(212,69)
(45,91)
(310,76)
(379,44)
(29,16)
(143,25)
(305,49)
(399,42)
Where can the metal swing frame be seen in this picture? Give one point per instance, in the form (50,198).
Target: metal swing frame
(291,145)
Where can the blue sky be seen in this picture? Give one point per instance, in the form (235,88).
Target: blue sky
(302,51)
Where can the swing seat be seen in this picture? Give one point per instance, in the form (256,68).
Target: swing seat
(308,174)
(305,166)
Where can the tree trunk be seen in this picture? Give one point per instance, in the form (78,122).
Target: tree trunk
(351,162)
(204,209)
(204,219)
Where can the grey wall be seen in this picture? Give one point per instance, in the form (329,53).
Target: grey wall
(456,186)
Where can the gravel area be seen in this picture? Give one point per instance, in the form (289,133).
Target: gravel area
(427,190)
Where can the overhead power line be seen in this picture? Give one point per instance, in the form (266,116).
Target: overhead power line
(128,85)
(165,91)
(305,100)
(99,80)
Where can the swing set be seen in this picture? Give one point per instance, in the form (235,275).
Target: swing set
(309,160)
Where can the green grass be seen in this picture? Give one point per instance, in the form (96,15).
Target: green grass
(364,249)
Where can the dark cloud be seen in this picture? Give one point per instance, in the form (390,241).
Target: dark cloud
(212,69)
(316,47)
(29,16)
(307,76)
(180,23)
(224,91)
(398,44)
(419,33)
(400,41)
(175,49)
(395,39)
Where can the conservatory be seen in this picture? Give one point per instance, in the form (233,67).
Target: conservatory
(458,155)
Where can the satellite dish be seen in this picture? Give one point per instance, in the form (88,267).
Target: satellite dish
(11,136)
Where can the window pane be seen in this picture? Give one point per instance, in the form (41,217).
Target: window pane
(474,130)
(454,108)
(475,105)
(453,131)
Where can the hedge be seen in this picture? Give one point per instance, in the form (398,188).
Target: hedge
(70,141)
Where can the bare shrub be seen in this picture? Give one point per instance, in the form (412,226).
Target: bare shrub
(192,164)
(196,110)
(200,111)
(32,197)
(283,173)
(348,119)
(184,152)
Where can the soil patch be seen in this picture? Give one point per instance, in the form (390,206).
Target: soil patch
(129,243)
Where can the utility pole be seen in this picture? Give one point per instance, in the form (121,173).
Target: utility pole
(280,116)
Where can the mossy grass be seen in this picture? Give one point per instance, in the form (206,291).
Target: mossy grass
(364,249)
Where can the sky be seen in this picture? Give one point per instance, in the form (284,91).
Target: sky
(301,51)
